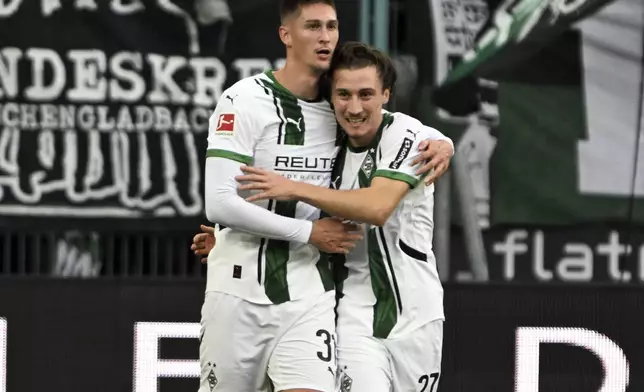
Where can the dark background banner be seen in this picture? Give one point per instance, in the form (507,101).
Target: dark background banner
(104,105)
(80,335)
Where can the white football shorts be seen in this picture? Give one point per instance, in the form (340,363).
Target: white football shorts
(408,364)
(256,348)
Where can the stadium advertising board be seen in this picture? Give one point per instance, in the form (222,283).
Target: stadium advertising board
(110,336)
(566,254)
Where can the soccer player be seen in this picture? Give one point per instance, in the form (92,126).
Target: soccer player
(390,307)
(268,316)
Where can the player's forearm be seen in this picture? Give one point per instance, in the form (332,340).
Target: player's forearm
(359,205)
(226,207)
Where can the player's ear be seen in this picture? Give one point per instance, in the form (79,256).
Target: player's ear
(285,36)
(386,95)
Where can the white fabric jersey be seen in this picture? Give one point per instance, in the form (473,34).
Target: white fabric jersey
(389,284)
(257,121)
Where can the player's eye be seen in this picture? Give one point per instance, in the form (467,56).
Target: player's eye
(332,26)
(313,26)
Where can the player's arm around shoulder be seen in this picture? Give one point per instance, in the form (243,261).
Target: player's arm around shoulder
(396,171)
(435,154)
(394,177)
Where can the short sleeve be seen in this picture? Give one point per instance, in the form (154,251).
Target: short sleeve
(232,131)
(397,149)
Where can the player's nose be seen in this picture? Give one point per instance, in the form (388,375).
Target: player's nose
(354,107)
(324,35)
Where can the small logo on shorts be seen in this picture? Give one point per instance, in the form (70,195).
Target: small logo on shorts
(212,378)
(345,381)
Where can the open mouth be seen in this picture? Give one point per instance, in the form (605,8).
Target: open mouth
(323,52)
(356,121)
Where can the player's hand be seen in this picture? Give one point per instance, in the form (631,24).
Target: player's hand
(331,235)
(270,185)
(437,155)
(202,243)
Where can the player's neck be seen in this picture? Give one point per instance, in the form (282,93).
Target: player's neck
(361,142)
(299,80)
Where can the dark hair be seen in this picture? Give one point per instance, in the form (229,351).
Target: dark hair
(288,7)
(356,55)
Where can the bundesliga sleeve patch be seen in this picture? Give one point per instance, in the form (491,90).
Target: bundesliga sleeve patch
(226,123)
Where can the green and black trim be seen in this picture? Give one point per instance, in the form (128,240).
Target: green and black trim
(394,175)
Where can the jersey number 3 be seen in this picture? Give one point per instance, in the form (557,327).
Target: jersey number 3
(325,356)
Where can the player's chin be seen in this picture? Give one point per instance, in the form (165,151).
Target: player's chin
(354,130)
(321,66)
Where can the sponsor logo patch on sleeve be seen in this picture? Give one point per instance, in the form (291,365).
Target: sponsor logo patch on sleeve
(405,148)
(226,123)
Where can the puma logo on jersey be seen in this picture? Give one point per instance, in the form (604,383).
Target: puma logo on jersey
(296,123)
(413,133)
(232,99)
(226,123)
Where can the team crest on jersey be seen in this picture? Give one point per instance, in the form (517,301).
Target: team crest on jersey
(226,123)
(367,165)
(212,378)
(345,382)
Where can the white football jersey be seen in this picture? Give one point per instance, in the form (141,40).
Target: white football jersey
(257,121)
(388,284)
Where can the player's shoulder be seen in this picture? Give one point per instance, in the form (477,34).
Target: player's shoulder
(249,88)
(398,126)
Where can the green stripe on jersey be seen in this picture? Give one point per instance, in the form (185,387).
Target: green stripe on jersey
(277,255)
(324,269)
(292,131)
(394,175)
(216,153)
(385,314)
(293,128)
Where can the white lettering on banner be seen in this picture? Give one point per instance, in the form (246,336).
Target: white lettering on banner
(611,158)
(3,354)
(48,7)
(577,263)
(107,137)
(611,356)
(40,61)
(89,83)
(148,368)
(89,67)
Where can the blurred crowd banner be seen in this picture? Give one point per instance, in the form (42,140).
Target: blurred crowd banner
(109,335)
(104,105)
(544,99)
